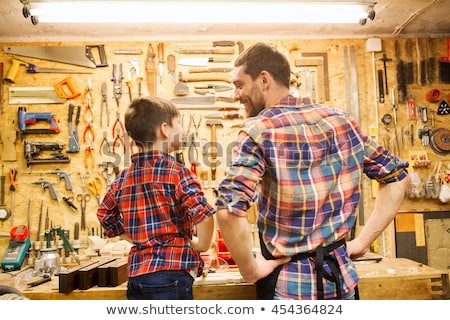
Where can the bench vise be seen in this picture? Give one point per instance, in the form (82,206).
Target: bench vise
(32,149)
(27,118)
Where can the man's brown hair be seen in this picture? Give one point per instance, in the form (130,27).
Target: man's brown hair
(144,117)
(261,57)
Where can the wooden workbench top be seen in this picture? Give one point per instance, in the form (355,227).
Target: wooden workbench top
(388,279)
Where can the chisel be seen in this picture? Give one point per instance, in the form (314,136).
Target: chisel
(224,115)
(206,51)
(209,100)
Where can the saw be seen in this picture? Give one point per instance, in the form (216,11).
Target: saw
(75,55)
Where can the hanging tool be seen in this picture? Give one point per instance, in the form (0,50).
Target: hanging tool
(135,64)
(206,51)
(128,51)
(380,86)
(117,87)
(5,213)
(69,202)
(220,43)
(104,144)
(421,64)
(409,63)
(38,235)
(118,132)
(150,70)
(73,141)
(12,189)
(171,67)
(208,100)
(181,88)
(32,68)
(385,59)
(430,65)
(214,124)
(47,185)
(83,199)
(89,154)
(161,61)
(26,118)
(104,105)
(444,66)
(203,62)
(215,87)
(76,55)
(400,72)
(94,186)
(31,149)
(224,115)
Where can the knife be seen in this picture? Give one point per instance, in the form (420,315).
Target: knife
(206,51)
(216,87)
(202,62)
(205,77)
(201,100)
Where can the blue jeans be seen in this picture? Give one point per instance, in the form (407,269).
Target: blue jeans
(161,285)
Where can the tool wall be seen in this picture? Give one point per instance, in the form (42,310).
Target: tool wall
(63,141)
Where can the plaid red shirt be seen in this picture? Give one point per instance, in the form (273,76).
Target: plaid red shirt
(156,202)
(305,163)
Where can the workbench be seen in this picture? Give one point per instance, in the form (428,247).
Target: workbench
(387,279)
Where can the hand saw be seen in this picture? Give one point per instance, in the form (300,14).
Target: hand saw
(76,55)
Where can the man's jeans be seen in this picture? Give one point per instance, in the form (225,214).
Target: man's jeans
(161,285)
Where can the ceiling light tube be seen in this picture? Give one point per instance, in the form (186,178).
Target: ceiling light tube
(198,11)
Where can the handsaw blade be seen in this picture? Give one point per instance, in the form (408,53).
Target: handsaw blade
(75,55)
(201,100)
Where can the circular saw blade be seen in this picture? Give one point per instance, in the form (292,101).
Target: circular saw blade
(440,141)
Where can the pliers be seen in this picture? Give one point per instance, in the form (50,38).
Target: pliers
(118,132)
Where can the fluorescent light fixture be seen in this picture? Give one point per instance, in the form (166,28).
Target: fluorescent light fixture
(152,11)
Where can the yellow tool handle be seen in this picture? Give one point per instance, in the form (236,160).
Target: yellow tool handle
(12,72)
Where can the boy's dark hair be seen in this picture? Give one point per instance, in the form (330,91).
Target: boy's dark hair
(144,117)
(261,57)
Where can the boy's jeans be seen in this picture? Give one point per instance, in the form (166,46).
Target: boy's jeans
(161,285)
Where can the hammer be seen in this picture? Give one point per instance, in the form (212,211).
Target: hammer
(213,124)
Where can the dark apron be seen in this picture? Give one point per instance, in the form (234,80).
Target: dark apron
(265,288)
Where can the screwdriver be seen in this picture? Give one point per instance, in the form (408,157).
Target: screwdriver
(12,188)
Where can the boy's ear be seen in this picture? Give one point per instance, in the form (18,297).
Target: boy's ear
(163,130)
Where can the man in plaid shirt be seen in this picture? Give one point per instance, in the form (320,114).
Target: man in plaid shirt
(303,164)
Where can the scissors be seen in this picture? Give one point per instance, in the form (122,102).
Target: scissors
(83,199)
(94,186)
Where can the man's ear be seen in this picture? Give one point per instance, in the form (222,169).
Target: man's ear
(266,78)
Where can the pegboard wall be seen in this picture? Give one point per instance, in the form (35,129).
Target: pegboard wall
(340,73)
